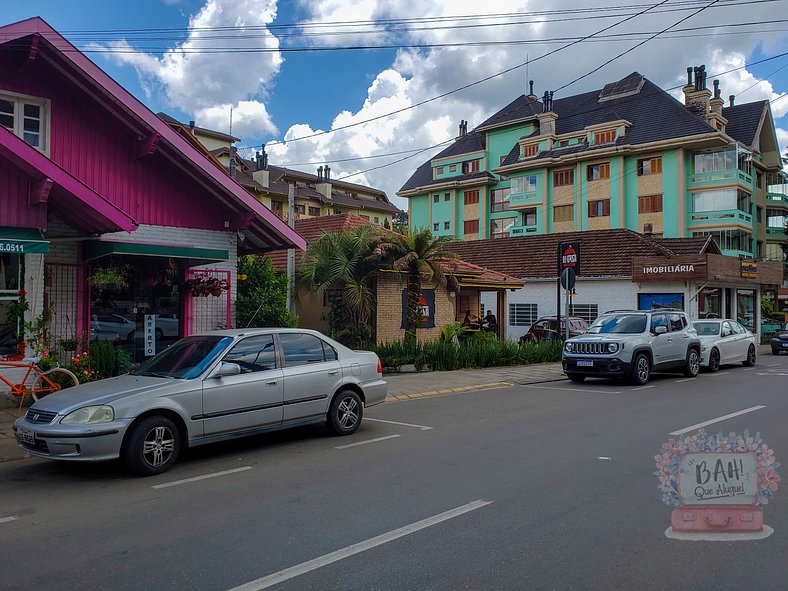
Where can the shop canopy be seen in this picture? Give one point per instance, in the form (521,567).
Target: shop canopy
(22,241)
(98,248)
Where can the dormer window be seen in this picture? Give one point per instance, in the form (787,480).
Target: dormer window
(605,137)
(529,151)
(26,117)
(470,166)
(438,170)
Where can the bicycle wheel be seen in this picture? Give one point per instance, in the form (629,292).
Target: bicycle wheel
(51,381)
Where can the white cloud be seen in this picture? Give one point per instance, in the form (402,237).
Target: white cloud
(194,81)
(416,75)
(249,119)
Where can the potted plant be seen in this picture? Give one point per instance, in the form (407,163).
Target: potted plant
(203,286)
(111,277)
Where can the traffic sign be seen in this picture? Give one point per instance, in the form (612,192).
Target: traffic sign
(568,278)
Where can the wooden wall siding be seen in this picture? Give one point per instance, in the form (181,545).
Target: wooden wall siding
(95,147)
(14,210)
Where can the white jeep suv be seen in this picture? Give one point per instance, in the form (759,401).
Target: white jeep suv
(632,344)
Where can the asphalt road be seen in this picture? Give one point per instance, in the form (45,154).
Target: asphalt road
(500,489)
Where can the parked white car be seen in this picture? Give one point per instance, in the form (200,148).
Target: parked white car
(724,341)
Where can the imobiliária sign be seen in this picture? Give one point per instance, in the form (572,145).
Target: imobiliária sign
(680,268)
(716,482)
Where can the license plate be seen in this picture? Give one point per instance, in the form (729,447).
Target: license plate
(585,363)
(25,435)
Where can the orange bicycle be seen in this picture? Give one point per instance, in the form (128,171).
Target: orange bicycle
(41,382)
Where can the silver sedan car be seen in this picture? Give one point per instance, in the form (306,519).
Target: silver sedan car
(725,341)
(202,389)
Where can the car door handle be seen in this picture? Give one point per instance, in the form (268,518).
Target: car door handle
(333,373)
(272,382)
(669,339)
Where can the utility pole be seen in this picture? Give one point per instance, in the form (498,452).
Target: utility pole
(291,251)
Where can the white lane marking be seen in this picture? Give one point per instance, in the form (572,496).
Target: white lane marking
(320,562)
(717,420)
(422,427)
(684,380)
(203,477)
(578,389)
(642,388)
(749,369)
(773,365)
(347,445)
(604,458)
(718,374)
(7,519)
(713,536)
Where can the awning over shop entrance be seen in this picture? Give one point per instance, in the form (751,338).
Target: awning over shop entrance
(97,248)
(22,241)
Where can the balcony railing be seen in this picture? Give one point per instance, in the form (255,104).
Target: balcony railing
(523,230)
(732,252)
(776,233)
(524,199)
(721,177)
(721,217)
(776,199)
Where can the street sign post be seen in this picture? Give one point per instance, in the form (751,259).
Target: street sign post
(568,270)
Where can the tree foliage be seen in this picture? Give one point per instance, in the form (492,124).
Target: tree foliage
(262,294)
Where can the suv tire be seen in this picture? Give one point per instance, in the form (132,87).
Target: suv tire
(641,369)
(575,378)
(692,366)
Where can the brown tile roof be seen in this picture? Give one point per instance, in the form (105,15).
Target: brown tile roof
(604,253)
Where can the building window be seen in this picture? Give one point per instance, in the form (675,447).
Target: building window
(524,184)
(605,137)
(715,160)
(599,208)
(447,196)
(564,213)
(529,217)
(452,168)
(470,166)
(529,151)
(759,214)
(759,180)
(447,225)
(500,228)
(471,197)
(277,206)
(722,199)
(436,198)
(562,178)
(376,219)
(26,117)
(500,200)
(648,166)
(523,314)
(470,227)
(599,171)
(730,239)
(587,312)
(649,203)
(300,209)
(438,170)
(314,211)
(436,226)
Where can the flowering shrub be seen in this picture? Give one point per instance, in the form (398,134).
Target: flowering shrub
(671,452)
(203,286)
(83,368)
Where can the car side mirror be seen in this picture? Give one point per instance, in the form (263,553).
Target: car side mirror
(658,330)
(226,369)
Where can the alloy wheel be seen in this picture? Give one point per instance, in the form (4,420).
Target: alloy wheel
(347,412)
(158,446)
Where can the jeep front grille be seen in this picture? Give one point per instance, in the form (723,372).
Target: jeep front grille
(585,348)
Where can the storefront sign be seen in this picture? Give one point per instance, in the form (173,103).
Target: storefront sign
(569,257)
(150,335)
(749,269)
(681,268)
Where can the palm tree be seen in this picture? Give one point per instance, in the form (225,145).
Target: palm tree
(423,256)
(344,261)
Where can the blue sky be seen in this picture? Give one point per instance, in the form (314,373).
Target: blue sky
(279,95)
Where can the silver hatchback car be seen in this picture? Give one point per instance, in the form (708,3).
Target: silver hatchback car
(202,389)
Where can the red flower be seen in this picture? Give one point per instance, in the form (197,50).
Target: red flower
(22,293)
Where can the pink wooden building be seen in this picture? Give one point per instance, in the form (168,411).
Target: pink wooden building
(108,217)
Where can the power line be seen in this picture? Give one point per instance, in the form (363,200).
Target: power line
(394,162)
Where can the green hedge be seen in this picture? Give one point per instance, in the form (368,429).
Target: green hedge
(445,356)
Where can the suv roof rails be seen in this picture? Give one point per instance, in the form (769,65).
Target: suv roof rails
(646,311)
(619,311)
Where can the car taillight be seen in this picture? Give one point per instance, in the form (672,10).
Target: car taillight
(380,367)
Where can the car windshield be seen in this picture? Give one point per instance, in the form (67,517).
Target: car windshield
(707,329)
(626,324)
(186,359)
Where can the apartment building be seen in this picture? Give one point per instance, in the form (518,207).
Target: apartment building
(628,155)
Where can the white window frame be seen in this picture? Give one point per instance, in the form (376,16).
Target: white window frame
(587,312)
(20,100)
(523,314)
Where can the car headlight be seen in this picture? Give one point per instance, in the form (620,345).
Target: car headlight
(569,346)
(89,415)
(612,347)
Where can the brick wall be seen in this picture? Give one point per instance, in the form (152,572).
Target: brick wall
(389,309)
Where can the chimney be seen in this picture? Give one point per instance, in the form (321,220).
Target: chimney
(463,129)
(323,185)
(191,127)
(261,173)
(233,163)
(715,117)
(531,94)
(732,100)
(547,117)
(696,95)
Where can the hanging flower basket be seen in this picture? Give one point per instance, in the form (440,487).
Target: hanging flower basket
(205,286)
